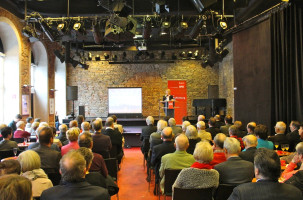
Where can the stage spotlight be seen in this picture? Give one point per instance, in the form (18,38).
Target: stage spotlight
(224,52)
(106,56)
(196,29)
(77,26)
(165,28)
(190,54)
(184,25)
(114,57)
(60,27)
(223,23)
(196,54)
(90,57)
(97,58)
(182,54)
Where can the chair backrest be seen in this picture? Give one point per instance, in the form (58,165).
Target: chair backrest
(19,140)
(113,151)
(224,191)
(104,154)
(170,177)
(193,194)
(112,167)
(55,178)
(146,145)
(7,154)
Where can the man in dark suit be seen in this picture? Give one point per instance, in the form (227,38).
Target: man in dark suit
(62,135)
(160,150)
(267,171)
(102,143)
(235,170)
(13,123)
(167,97)
(212,129)
(73,170)
(279,138)
(293,137)
(49,157)
(250,143)
(219,123)
(115,138)
(146,132)
(228,122)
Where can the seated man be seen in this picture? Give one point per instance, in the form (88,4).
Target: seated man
(279,138)
(155,138)
(162,149)
(212,127)
(178,160)
(6,144)
(219,155)
(20,133)
(234,133)
(251,128)
(267,172)
(235,170)
(10,167)
(293,137)
(228,122)
(54,146)
(13,123)
(177,130)
(102,143)
(146,132)
(201,131)
(85,126)
(73,170)
(49,158)
(72,136)
(250,143)
(62,135)
(98,163)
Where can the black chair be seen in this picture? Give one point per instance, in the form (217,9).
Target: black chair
(7,154)
(19,140)
(112,167)
(224,191)
(170,178)
(193,194)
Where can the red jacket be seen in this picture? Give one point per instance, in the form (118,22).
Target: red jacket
(21,134)
(218,158)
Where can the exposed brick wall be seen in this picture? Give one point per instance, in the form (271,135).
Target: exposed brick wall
(93,83)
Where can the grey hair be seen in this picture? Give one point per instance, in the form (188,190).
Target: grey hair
(29,160)
(150,120)
(185,124)
(203,152)
(85,126)
(281,126)
(20,123)
(191,132)
(63,128)
(299,148)
(161,125)
(172,122)
(200,124)
(232,145)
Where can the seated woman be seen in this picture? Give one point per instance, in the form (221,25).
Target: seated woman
(201,174)
(298,158)
(31,169)
(261,133)
(15,187)
(192,135)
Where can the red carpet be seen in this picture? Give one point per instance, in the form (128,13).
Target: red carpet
(131,178)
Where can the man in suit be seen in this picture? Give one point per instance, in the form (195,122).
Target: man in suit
(102,143)
(49,157)
(234,133)
(167,97)
(115,138)
(155,138)
(293,137)
(62,135)
(13,123)
(212,129)
(228,122)
(219,123)
(20,132)
(279,138)
(219,154)
(73,170)
(180,159)
(235,170)
(160,150)
(177,130)
(146,132)
(202,118)
(251,128)
(250,143)
(267,171)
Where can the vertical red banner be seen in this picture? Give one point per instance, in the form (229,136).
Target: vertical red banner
(179,91)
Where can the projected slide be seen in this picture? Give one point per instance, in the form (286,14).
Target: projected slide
(125,100)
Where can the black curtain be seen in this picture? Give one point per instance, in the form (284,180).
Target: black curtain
(287,65)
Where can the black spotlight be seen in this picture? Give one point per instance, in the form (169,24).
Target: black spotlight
(97,58)
(90,57)
(114,57)
(190,54)
(106,56)
(182,54)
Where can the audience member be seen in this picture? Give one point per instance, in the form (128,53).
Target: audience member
(73,171)
(212,127)
(53,145)
(192,135)
(201,174)
(235,170)
(185,124)
(162,149)
(234,133)
(15,187)
(56,141)
(102,143)
(228,122)
(116,139)
(73,123)
(251,128)
(219,123)
(43,124)
(261,132)
(293,137)
(72,136)
(20,133)
(34,128)
(250,143)
(6,144)
(279,138)
(80,120)
(177,130)
(145,135)
(13,123)
(2,126)
(85,126)
(219,154)
(202,134)
(178,160)
(202,118)
(241,132)
(37,120)
(267,171)
(10,166)
(28,126)
(49,158)
(98,163)
(62,134)
(116,125)
(155,138)
(30,168)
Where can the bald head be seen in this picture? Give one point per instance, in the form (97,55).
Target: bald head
(182,142)
(167,134)
(250,141)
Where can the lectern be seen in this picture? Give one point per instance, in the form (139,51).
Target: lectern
(169,108)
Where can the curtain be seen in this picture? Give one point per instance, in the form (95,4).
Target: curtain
(287,65)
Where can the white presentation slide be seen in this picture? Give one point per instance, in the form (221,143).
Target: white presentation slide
(125,100)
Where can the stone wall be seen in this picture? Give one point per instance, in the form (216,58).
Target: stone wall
(226,80)
(93,83)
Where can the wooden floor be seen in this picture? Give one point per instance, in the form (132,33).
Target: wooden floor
(132,178)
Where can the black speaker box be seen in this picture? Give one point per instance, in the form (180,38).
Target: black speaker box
(213,91)
(82,111)
(72,93)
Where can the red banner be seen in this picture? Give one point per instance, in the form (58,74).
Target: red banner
(179,91)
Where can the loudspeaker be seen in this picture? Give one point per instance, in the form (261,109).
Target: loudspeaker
(72,93)
(82,111)
(213,91)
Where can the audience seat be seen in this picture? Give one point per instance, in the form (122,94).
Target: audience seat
(104,154)
(112,167)
(7,154)
(170,177)
(19,140)
(55,178)
(224,191)
(193,194)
